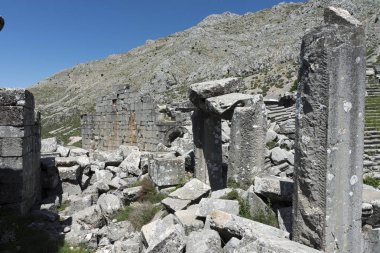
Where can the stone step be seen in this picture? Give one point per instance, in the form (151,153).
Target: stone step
(371,141)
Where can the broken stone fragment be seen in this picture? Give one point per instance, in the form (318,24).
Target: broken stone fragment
(208,205)
(49,145)
(189,220)
(110,158)
(229,225)
(91,217)
(163,235)
(109,204)
(63,151)
(74,152)
(175,204)
(204,241)
(192,190)
(274,188)
(131,163)
(72,174)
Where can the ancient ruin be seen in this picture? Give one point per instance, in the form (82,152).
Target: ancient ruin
(19,151)
(224,171)
(329,135)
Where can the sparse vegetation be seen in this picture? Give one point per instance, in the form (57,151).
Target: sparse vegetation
(142,212)
(232,183)
(271,144)
(374,182)
(139,214)
(294,86)
(63,206)
(245,211)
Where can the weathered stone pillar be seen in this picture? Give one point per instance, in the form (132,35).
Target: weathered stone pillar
(20,145)
(247,145)
(329,136)
(207,134)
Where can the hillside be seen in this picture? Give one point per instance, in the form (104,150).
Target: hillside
(261,47)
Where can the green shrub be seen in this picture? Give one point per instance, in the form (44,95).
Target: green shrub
(232,183)
(271,144)
(69,249)
(148,192)
(138,215)
(268,218)
(294,86)
(371,181)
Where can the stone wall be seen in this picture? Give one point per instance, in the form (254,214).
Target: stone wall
(19,151)
(128,117)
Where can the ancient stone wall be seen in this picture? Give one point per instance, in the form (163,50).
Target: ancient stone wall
(19,151)
(128,117)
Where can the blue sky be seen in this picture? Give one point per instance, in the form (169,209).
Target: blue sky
(43,37)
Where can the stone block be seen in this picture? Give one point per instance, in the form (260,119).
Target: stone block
(275,188)
(167,171)
(16,97)
(204,241)
(330,135)
(208,205)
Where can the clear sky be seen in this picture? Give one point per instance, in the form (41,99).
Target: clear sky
(43,37)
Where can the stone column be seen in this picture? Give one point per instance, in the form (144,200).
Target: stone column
(20,145)
(329,136)
(247,145)
(207,136)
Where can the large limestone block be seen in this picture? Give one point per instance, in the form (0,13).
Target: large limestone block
(200,91)
(16,97)
(74,152)
(224,105)
(175,204)
(167,172)
(208,205)
(110,158)
(164,235)
(71,174)
(204,241)
(275,188)
(189,220)
(132,162)
(91,217)
(229,225)
(330,135)
(49,145)
(109,204)
(247,146)
(192,190)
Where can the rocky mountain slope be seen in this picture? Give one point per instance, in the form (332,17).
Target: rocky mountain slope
(261,47)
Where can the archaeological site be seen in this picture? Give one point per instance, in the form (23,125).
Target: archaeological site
(216,163)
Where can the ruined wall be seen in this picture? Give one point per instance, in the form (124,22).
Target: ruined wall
(19,151)
(127,117)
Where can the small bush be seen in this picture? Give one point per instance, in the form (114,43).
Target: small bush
(148,192)
(232,183)
(232,195)
(271,145)
(294,86)
(265,217)
(63,206)
(371,181)
(138,215)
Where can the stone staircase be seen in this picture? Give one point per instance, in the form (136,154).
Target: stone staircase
(372,128)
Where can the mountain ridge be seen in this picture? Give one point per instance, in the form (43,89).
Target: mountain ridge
(261,47)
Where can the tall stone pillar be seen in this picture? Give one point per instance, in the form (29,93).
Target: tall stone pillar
(247,145)
(20,145)
(207,134)
(329,135)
